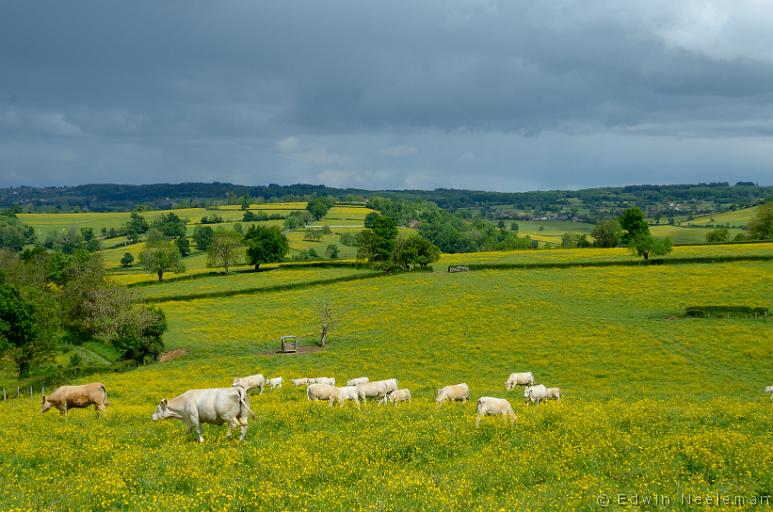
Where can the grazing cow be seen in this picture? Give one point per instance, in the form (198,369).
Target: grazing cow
(552,393)
(69,397)
(253,381)
(325,392)
(769,389)
(519,379)
(490,406)
(400,395)
(303,381)
(275,383)
(456,392)
(330,381)
(358,380)
(377,390)
(215,406)
(350,393)
(535,393)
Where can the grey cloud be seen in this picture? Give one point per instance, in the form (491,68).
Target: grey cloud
(516,94)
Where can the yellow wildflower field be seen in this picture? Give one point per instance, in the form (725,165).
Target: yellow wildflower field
(653,404)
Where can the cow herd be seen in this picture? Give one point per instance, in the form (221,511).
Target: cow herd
(231,406)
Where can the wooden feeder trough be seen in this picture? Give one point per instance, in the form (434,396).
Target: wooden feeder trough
(289,344)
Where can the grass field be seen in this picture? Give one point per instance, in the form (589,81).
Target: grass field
(652,403)
(736,218)
(45,223)
(245,281)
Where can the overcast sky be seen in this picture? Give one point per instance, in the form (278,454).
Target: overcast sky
(487,95)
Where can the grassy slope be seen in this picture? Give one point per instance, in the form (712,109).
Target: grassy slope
(651,404)
(732,218)
(245,281)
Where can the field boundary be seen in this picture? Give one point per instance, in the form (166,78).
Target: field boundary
(264,289)
(216,273)
(622,263)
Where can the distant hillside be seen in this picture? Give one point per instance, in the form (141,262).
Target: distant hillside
(672,203)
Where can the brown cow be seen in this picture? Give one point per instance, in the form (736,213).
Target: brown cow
(67,397)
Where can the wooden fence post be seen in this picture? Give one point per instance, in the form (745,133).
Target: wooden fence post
(5,397)
(30,392)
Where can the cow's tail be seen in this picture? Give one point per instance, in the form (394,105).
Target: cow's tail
(243,400)
(104,394)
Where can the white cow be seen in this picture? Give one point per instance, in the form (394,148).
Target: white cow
(400,395)
(275,383)
(377,390)
(358,380)
(324,392)
(350,393)
(769,389)
(455,392)
(490,406)
(330,381)
(303,381)
(535,393)
(248,383)
(215,406)
(552,393)
(519,379)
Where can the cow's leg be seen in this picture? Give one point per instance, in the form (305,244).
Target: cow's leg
(197,425)
(233,424)
(243,423)
(261,389)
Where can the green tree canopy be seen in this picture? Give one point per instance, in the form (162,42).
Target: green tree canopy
(202,237)
(170,225)
(607,233)
(265,245)
(416,251)
(645,245)
(226,249)
(719,235)
(161,257)
(761,226)
(21,336)
(13,234)
(136,226)
(318,206)
(633,223)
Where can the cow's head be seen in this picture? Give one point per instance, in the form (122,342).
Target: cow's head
(509,384)
(527,392)
(46,405)
(163,412)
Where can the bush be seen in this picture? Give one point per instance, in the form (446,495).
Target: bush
(138,336)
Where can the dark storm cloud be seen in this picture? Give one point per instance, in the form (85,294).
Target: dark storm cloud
(482,94)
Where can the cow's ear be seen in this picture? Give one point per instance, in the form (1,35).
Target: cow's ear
(44,398)
(163,402)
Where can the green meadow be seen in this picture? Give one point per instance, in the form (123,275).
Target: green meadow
(653,403)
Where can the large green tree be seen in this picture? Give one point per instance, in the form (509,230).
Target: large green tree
(645,245)
(607,233)
(161,257)
(761,226)
(21,337)
(265,245)
(226,249)
(136,226)
(170,225)
(633,223)
(318,206)
(202,237)
(416,251)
